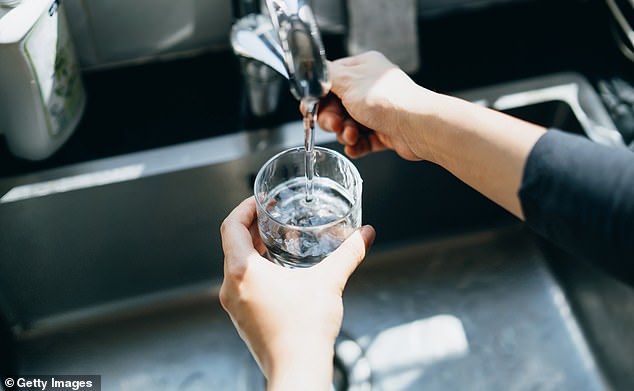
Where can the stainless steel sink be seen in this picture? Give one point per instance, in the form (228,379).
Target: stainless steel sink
(456,293)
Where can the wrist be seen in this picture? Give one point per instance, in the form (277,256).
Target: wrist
(422,122)
(303,366)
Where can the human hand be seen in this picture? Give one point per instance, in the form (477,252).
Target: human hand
(369,106)
(374,105)
(289,318)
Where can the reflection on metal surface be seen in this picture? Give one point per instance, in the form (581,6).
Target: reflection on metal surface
(174,38)
(355,368)
(253,37)
(622,20)
(498,290)
(422,342)
(567,317)
(176,158)
(568,93)
(75,182)
(504,332)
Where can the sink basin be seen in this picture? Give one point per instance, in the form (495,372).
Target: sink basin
(456,294)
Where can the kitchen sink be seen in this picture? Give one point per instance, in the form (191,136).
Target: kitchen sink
(455,294)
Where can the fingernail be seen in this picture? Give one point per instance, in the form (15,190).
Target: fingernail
(368,233)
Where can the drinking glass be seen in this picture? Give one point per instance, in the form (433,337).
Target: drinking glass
(298,232)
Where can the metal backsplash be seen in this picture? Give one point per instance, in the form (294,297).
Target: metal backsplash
(112,33)
(115,32)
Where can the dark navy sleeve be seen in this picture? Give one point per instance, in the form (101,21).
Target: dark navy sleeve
(580,196)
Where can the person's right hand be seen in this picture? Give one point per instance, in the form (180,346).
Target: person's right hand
(369,105)
(374,105)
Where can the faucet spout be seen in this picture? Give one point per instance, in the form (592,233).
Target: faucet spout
(288,42)
(303,50)
(253,37)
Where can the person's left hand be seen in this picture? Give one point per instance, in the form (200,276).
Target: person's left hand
(289,318)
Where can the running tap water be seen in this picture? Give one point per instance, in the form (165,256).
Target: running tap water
(289,42)
(310,116)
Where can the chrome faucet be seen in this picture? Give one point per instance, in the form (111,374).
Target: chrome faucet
(287,42)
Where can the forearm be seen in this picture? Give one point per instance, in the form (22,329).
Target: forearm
(484,148)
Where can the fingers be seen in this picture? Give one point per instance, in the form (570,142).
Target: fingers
(258,244)
(367,143)
(345,259)
(356,151)
(350,134)
(237,233)
(333,117)
(331,114)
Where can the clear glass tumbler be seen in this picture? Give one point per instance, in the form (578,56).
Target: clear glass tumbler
(298,232)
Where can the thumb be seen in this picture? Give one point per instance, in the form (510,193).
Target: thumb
(340,264)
